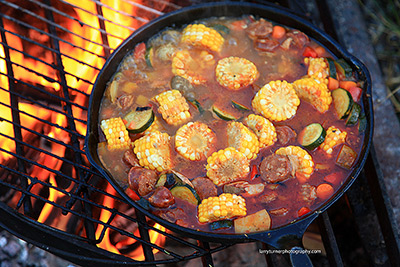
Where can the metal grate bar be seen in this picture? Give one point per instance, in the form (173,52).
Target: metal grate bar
(329,240)
(17,130)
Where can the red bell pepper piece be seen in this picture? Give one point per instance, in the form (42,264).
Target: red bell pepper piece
(303,211)
(309,52)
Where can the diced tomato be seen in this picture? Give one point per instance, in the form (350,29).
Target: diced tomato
(303,211)
(254,172)
(333,178)
(355,92)
(309,52)
(132,194)
(140,51)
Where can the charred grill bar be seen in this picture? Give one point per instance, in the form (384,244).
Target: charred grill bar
(52,197)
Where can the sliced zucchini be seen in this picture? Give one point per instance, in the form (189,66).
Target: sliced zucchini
(362,123)
(219,225)
(343,68)
(346,158)
(149,56)
(161,180)
(196,104)
(312,136)
(223,115)
(186,192)
(332,68)
(139,120)
(342,102)
(222,29)
(239,106)
(354,114)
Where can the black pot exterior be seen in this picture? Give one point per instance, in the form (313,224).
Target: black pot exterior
(287,236)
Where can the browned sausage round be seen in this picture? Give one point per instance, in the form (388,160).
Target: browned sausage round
(259,29)
(275,168)
(266,45)
(142,180)
(308,193)
(299,39)
(284,134)
(130,159)
(162,198)
(204,187)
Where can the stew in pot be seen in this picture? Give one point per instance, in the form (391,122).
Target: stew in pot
(233,125)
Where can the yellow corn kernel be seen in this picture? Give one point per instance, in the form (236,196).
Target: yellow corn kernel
(195,141)
(314,92)
(227,165)
(155,126)
(302,162)
(235,73)
(173,107)
(222,207)
(202,36)
(317,69)
(243,139)
(276,101)
(116,134)
(263,128)
(334,136)
(154,151)
(192,66)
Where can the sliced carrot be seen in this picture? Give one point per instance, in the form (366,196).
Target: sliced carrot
(347,84)
(333,83)
(333,178)
(278,32)
(303,211)
(320,51)
(309,52)
(325,191)
(355,92)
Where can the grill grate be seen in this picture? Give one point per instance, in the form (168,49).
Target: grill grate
(43,110)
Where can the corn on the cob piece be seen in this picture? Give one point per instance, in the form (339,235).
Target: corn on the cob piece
(243,139)
(235,73)
(202,36)
(317,69)
(314,92)
(173,107)
(302,162)
(195,141)
(334,136)
(192,66)
(263,128)
(276,101)
(227,165)
(116,134)
(154,151)
(225,206)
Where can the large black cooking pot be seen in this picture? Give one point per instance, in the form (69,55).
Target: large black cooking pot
(285,237)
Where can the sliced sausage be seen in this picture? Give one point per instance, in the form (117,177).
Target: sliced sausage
(162,198)
(284,134)
(266,45)
(142,180)
(279,212)
(299,39)
(130,159)
(275,168)
(172,215)
(308,193)
(259,29)
(204,187)
(269,197)
(125,101)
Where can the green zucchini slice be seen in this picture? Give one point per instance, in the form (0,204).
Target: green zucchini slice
(139,120)
(332,68)
(239,106)
(344,68)
(354,114)
(186,192)
(149,56)
(342,102)
(223,224)
(222,29)
(223,115)
(312,136)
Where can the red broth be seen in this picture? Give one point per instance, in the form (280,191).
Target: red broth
(283,200)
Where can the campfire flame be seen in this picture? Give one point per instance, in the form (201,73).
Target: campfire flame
(82,54)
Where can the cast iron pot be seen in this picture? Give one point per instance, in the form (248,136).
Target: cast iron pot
(288,236)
